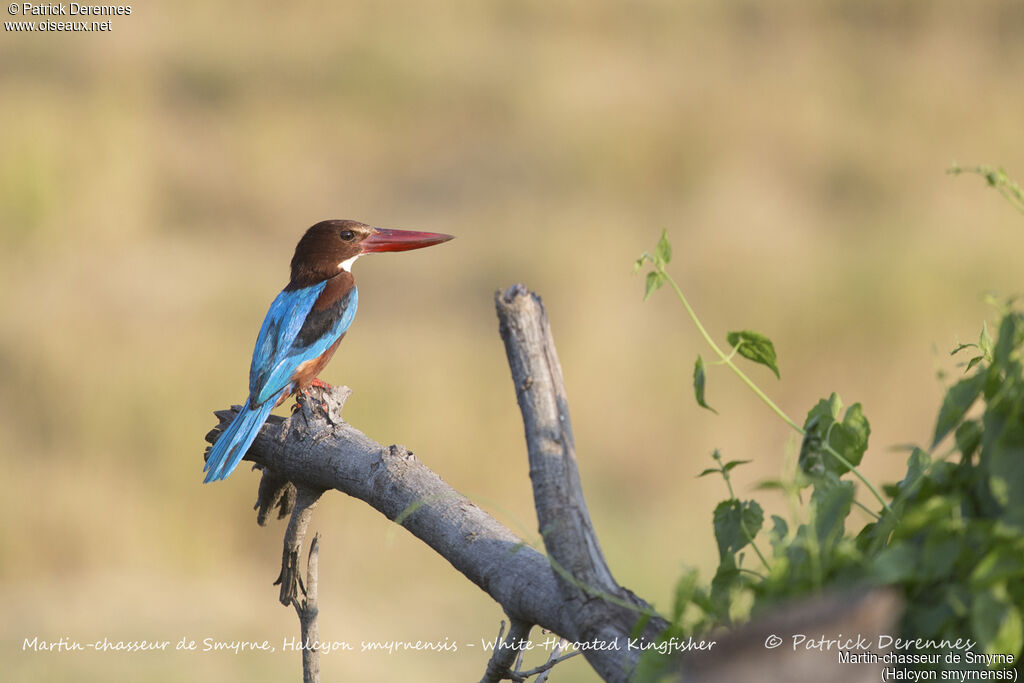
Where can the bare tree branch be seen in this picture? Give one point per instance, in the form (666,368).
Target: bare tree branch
(315,449)
(558,495)
(274,492)
(604,610)
(308,610)
(544,670)
(499,667)
(290,579)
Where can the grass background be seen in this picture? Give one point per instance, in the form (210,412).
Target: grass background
(154,181)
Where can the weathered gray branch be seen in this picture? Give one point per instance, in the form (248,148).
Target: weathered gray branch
(317,450)
(555,658)
(507,651)
(290,578)
(308,610)
(604,610)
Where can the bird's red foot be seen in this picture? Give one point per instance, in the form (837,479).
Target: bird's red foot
(302,394)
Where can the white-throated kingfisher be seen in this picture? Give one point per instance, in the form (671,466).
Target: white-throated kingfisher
(305,324)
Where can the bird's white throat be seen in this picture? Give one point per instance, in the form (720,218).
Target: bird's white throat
(346,265)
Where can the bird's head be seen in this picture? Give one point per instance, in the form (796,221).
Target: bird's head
(331,247)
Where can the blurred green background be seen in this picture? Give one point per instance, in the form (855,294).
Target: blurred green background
(154,181)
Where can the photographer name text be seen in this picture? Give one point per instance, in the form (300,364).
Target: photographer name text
(70,9)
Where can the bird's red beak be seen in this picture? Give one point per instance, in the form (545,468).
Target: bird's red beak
(382,239)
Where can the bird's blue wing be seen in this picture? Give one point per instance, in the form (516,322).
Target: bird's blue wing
(281,349)
(284,320)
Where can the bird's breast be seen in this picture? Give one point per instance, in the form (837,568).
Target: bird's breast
(308,371)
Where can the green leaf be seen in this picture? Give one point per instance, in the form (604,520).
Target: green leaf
(985,343)
(734,463)
(685,588)
(654,282)
(849,438)
(699,380)
(723,587)
(1002,449)
(960,347)
(831,507)
(663,252)
(917,465)
(819,419)
(958,401)
(895,564)
(822,428)
(927,512)
(939,555)
(779,533)
(816,425)
(754,346)
(641,623)
(710,470)
(997,622)
(639,263)
(753,518)
(734,520)
(968,438)
(1000,564)
(1011,336)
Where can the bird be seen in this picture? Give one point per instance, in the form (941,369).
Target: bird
(305,324)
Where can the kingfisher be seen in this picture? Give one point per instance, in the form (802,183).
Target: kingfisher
(305,324)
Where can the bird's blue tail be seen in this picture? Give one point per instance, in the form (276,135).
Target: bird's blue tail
(233,444)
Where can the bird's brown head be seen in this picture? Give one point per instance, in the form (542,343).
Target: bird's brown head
(331,247)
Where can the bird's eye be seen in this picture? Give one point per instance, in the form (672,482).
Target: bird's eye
(348,235)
